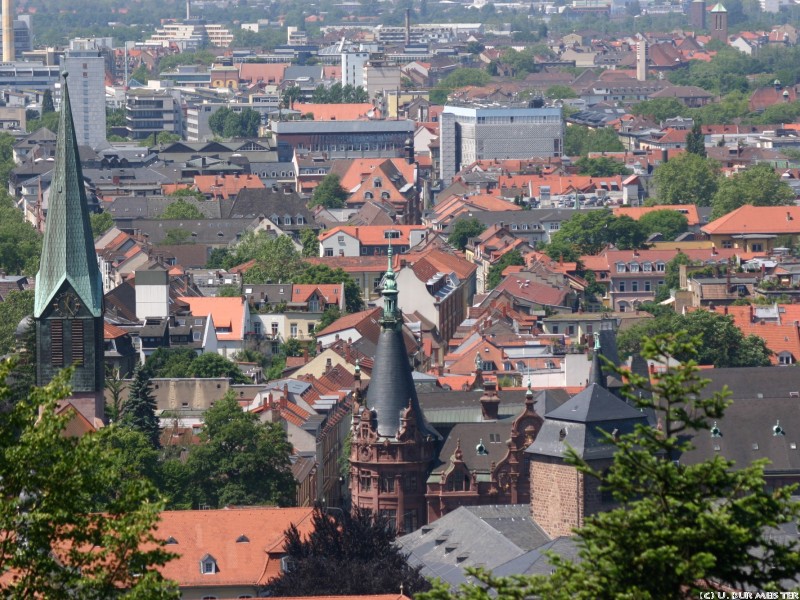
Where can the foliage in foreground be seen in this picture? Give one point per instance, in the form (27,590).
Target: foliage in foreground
(61,533)
(679,529)
(359,549)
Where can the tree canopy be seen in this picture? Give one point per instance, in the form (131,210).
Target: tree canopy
(181,209)
(589,231)
(667,222)
(720,342)
(228,123)
(63,534)
(329,193)
(695,141)
(239,460)
(184,362)
(686,179)
(20,243)
(758,185)
(680,529)
(358,547)
(339,94)
(322,274)
(602,166)
(101,222)
(464,229)
(15,306)
(511,258)
(580,140)
(139,411)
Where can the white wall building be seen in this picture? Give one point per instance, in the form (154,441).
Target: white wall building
(87,88)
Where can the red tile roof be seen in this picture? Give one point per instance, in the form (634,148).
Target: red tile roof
(779,337)
(533,291)
(226,186)
(374,235)
(199,533)
(111,331)
(637,212)
(338,112)
(331,293)
(227,313)
(350,321)
(757,219)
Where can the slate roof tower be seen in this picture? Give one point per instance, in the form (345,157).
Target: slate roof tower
(68,309)
(392,443)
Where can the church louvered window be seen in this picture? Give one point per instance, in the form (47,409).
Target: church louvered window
(57,343)
(77,343)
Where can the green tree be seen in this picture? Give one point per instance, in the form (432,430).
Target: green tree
(669,223)
(463,230)
(229,291)
(187,193)
(696,141)
(758,185)
(291,94)
(310,242)
(171,362)
(589,231)
(48,121)
(181,209)
(101,222)
(47,102)
(211,364)
(329,193)
(239,460)
(141,74)
(511,258)
(680,529)
(15,306)
(602,166)
(163,138)
(659,109)
(322,274)
(62,536)
(135,457)
(559,92)
(20,243)
(580,140)
(176,237)
(114,385)
(139,412)
(722,343)
(686,179)
(277,259)
(358,546)
(457,79)
(331,314)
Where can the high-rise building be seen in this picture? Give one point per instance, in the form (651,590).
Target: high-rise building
(470,133)
(68,309)
(88,70)
(353,62)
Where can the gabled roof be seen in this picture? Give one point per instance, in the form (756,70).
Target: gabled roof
(330,293)
(757,219)
(637,212)
(374,235)
(336,112)
(594,405)
(227,313)
(225,186)
(199,533)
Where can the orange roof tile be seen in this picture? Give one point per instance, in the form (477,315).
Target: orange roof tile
(757,219)
(637,212)
(262,72)
(337,112)
(111,331)
(228,314)
(779,337)
(225,186)
(215,532)
(331,293)
(374,235)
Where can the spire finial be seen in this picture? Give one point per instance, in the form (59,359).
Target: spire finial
(390,318)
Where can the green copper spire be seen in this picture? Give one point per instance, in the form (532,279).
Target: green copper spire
(391,318)
(68,254)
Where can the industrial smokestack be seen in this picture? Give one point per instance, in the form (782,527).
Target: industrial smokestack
(188,9)
(408,26)
(8,31)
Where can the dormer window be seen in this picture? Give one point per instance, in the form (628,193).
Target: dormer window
(242,539)
(208,565)
(287,220)
(661,267)
(634,267)
(620,267)
(300,220)
(647,267)
(377,182)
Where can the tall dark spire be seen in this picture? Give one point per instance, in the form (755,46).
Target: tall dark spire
(391,387)
(68,309)
(68,253)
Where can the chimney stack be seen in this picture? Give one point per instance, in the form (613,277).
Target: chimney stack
(188,9)
(8,31)
(408,26)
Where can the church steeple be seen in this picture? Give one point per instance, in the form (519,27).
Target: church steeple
(390,319)
(68,308)
(68,254)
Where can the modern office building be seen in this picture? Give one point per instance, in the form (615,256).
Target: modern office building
(470,133)
(149,111)
(88,89)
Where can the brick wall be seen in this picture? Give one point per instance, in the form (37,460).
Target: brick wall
(556,496)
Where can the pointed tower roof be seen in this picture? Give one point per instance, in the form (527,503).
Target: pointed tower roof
(391,387)
(718,8)
(68,253)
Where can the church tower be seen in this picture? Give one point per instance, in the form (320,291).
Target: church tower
(392,443)
(68,310)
